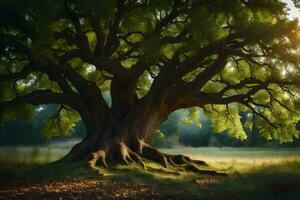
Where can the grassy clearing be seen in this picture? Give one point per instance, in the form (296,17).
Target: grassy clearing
(239,159)
(263,181)
(254,173)
(35,154)
(256,156)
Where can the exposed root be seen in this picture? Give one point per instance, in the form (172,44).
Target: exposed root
(155,156)
(175,161)
(127,156)
(122,154)
(98,158)
(118,153)
(181,159)
(194,168)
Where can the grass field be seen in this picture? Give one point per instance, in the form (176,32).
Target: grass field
(240,159)
(216,156)
(254,173)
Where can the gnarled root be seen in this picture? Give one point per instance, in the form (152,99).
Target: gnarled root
(118,153)
(176,161)
(139,153)
(181,159)
(98,158)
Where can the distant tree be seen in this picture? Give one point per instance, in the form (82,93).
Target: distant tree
(19,132)
(154,57)
(22,131)
(171,125)
(167,134)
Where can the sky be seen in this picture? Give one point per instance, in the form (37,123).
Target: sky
(294,12)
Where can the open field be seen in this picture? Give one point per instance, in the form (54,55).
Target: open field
(256,173)
(239,159)
(212,155)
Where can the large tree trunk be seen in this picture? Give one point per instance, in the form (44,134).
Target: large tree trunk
(126,142)
(108,135)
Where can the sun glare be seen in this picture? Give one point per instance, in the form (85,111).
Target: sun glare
(293,11)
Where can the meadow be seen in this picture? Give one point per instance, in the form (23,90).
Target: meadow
(254,173)
(213,155)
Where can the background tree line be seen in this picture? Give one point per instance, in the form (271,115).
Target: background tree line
(175,131)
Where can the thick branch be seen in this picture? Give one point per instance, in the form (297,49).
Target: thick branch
(16,76)
(39,97)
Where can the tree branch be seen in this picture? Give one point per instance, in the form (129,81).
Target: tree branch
(16,76)
(39,97)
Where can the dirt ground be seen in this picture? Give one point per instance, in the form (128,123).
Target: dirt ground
(89,188)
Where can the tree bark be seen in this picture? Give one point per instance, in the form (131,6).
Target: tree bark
(104,134)
(125,142)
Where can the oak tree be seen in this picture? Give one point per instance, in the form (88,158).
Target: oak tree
(152,57)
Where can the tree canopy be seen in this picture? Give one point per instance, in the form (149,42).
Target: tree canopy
(224,57)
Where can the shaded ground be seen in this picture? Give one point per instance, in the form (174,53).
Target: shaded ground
(60,181)
(88,188)
(280,182)
(97,187)
(247,180)
(208,188)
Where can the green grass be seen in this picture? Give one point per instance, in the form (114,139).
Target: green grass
(266,181)
(46,154)
(239,159)
(254,173)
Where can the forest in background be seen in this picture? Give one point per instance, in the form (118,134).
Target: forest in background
(176,131)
